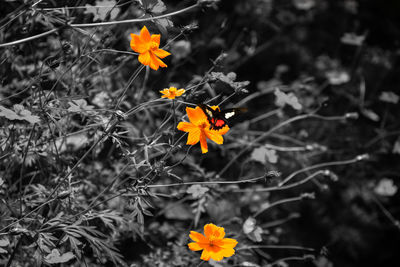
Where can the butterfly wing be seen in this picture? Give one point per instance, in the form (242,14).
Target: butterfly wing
(231,112)
(213,116)
(209,112)
(219,119)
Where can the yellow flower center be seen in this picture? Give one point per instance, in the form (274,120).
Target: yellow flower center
(211,241)
(203,125)
(153,45)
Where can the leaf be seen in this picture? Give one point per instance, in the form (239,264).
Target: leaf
(102,9)
(214,263)
(256,234)
(230,80)
(271,155)
(322,261)
(154,6)
(389,97)
(178,211)
(19,113)
(370,114)
(158,8)
(249,225)
(386,188)
(262,154)
(3,251)
(304,4)
(101,99)
(337,77)
(55,257)
(258,154)
(4,242)
(251,230)
(197,191)
(352,39)
(80,105)
(163,24)
(30,158)
(396,147)
(222,210)
(290,99)
(8,113)
(75,142)
(180,49)
(249,264)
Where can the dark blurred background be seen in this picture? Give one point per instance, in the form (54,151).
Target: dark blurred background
(292,41)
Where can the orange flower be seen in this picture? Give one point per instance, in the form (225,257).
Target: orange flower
(172,92)
(147,47)
(199,129)
(213,244)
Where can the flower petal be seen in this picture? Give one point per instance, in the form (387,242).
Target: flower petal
(213,231)
(180,92)
(197,237)
(226,243)
(194,246)
(223,130)
(186,126)
(215,108)
(145,35)
(196,115)
(194,136)
(145,58)
(137,44)
(214,136)
(227,252)
(155,38)
(164,91)
(158,61)
(205,256)
(217,256)
(161,53)
(203,143)
(153,62)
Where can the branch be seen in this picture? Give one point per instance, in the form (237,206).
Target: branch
(107,23)
(287,122)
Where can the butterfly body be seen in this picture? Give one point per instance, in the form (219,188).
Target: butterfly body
(218,118)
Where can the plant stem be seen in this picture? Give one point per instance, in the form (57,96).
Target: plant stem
(108,23)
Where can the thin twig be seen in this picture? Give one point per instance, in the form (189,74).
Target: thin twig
(251,180)
(293,258)
(287,122)
(276,247)
(325,164)
(108,23)
(284,201)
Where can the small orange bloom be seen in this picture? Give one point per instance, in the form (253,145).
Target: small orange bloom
(199,129)
(147,47)
(172,92)
(213,244)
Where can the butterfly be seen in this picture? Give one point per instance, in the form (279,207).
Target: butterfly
(219,118)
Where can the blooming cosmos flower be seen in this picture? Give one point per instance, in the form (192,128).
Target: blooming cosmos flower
(199,129)
(213,244)
(147,47)
(172,92)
